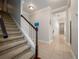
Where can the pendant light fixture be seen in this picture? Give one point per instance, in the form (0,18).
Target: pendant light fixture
(31,5)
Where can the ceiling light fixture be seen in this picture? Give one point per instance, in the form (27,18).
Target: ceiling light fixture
(31,6)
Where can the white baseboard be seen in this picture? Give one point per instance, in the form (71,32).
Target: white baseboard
(46,42)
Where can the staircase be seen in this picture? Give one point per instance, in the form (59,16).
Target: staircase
(15,46)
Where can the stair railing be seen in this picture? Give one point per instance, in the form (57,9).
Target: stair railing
(36,29)
(3,28)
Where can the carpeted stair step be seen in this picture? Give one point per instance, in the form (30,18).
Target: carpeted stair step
(11,38)
(24,55)
(7,45)
(11,32)
(12,29)
(8,19)
(11,26)
(10,41)
(9,23)
(14,35)
(15,51)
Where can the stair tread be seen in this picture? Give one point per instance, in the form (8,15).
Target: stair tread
(10,41)
(11,22)
(2,39)
(26,55)
(11,25)
(9,45)
(15,52)
(11,33)
(14,26)
(11,28)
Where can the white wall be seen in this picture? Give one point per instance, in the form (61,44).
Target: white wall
(68,19)
(74,19)
(14,9)
(43,16)
(72,14)
(55,25)
(75,35)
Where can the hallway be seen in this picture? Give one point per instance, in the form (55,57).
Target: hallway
(58,49)
(20,43)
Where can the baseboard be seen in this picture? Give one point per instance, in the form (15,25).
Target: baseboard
(50,41)
(46,42)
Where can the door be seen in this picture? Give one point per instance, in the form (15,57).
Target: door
(61,28)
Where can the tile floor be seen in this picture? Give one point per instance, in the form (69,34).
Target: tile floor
(58,49)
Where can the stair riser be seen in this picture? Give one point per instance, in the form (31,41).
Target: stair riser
(15,51)
(11,35)
(25,55)
(9,39)
(7,23)
(11,26)
(14,35)
(14,29)
(9,20)
(12,45)
(10,32)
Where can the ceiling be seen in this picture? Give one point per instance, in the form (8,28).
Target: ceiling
(58,3)
(39,4)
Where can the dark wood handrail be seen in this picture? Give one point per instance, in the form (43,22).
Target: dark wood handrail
(3,28)
(28,22)
(36,29)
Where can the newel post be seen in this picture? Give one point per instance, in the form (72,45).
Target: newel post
(36,46)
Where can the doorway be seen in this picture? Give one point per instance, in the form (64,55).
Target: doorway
(61,28)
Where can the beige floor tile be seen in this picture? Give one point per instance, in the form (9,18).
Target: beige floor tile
(58,49)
